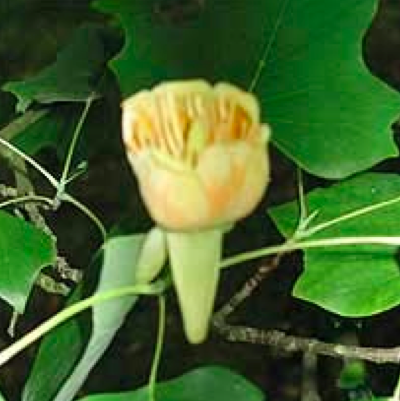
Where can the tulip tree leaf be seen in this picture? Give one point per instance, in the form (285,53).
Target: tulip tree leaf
(119,262)
(302,58)
(354,280)
(56,127)
(116,263)
(206,383)
(72,78)
(67,342)
(24,251)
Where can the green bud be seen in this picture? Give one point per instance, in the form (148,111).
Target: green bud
(152,257)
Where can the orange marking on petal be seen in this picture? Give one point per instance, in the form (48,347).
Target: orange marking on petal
(211,133)
(220,195)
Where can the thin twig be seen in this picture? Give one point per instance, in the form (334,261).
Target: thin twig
(51,286)
(7,191)
(290,344)
(67,272)
(285,342)
(247,289)
(13,323)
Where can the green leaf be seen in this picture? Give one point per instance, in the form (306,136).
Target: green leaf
(20,124)
(118,262)
(352,375)
(202,384)
(74,75)
(54,129)
(350,280)
(24,251)
(67,342)
(302,57)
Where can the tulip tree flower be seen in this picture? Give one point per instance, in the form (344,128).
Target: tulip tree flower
(199,153)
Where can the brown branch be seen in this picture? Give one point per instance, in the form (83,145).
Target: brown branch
(247,289)
(286,342)
(67,272)
(290,344)
(7,191)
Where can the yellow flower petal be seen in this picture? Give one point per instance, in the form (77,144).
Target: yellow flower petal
(173,196)
(199,152)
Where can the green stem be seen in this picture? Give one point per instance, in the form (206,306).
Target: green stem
(351,215)
(75,136)
(26,199)
(68,198)
(71,311)
(305,218)
(31,161)
(292,245)
(158,350)
(59,186)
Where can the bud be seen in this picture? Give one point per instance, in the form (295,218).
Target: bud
(152,256)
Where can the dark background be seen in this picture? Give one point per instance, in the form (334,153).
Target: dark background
(31,32)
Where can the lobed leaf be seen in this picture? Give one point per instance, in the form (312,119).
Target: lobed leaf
(354,280)
(302,59)
(117,266)
(72,78)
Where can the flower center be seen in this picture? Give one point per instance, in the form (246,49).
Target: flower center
(181,124)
